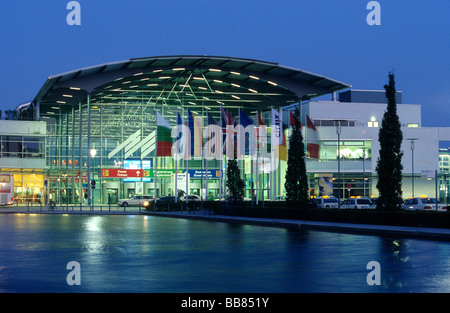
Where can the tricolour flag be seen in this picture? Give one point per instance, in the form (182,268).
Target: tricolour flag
(195,126)
(164,139)
(281,151)
(312,137)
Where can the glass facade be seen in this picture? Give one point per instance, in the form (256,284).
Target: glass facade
(121,136)
(102,126)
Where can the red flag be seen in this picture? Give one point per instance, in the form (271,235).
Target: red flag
(293,120)
(312,146)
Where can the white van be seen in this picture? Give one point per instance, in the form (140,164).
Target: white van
(357,203)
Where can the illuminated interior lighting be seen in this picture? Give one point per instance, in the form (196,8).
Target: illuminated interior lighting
(135,86)
(164,77)
(214,70)
(62,102)
(236,97)
(178,69)
(235,85)
(254,77)
(68,96)
(152,85)
(127,82)
(207,108)
(218,91)
(55,108)
(198,78)
(217,81)
(235,73)
(138,74)
(157,71)
(120,78)
(206,98)
(192,103)
(252,90)
(144,79)
(75,88)
(272,83)
(202,88)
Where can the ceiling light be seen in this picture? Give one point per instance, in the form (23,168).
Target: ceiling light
(254,77)
(75,88)
(68,96)
(235,73)
(252,90)
(235,85)
(272,83)
(236,97)
(214,70)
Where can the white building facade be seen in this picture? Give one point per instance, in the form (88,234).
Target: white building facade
(359,146)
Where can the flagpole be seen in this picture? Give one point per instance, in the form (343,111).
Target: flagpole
(272,155)
(187,168)
(257,151)
(176,162)
(156,165)
(221,157)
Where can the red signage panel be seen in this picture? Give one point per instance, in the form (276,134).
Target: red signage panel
(121,173)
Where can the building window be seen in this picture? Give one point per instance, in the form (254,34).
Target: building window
(333,123)
(413,125)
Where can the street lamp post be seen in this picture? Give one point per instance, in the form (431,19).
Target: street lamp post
(338,132)
(93,152)
(412,141)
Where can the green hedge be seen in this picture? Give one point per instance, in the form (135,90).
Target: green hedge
(283,210)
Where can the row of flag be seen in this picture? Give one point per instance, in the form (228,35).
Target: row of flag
(195,125)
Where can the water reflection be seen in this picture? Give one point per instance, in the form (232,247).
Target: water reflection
(152,254)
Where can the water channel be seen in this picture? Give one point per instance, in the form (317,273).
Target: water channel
(158,254)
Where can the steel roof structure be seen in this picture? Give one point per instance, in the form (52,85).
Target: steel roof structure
(183,80)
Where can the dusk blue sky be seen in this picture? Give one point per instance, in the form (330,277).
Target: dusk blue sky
(327,37)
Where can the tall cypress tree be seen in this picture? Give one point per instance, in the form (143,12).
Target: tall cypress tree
(296,184)
(235,184)
(389,163)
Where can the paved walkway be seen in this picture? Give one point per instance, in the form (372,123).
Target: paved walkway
(382,230)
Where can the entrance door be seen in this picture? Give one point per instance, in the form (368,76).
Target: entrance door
(113,195)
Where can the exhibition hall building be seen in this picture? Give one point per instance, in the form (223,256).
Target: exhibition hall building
(168,125)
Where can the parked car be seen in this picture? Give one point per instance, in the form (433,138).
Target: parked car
(134,201)
(169,199)
(424,203)
(326,202)
(280,198)
(190,198)
(357,203)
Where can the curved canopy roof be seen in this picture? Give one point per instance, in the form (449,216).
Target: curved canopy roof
(189,80)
